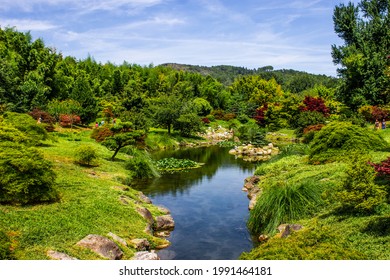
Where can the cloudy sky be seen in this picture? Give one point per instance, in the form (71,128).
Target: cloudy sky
(294,34)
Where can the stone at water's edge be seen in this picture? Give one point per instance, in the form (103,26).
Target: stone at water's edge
(253,190)
(144,198)
(146,214)
(102,246)
(145,255)
(164,222)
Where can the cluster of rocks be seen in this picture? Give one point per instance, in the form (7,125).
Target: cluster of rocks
(217,135)
(252,153)
(253,190)
(108,247)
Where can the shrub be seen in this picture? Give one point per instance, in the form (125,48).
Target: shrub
(86,155)
(251,132)
(283,202)
(5,244)
(188,124)
(101,133)
(307,118)
(315,242)
(47,120)
(340,138)
(69,120)
(28,126)
(372,113)
(25,176)
(309,132)
(383,168)
(359,193)
(314,104)
(141,165)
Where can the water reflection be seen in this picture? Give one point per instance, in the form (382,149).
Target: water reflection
(208,206)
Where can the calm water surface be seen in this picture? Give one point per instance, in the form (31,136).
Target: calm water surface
(208,205)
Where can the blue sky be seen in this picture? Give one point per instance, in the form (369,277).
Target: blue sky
(295,34)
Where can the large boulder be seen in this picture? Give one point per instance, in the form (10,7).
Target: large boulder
(143,198)
(101,246)
(164,222)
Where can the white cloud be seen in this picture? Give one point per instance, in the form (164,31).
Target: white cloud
(28,24)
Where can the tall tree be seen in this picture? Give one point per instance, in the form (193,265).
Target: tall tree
(365,29)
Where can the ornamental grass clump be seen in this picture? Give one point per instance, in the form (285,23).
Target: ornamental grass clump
(282,202)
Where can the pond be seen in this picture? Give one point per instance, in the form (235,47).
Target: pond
(208,205)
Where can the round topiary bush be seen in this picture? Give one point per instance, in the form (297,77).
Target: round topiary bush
(86,155)
(25,176)
(337,139)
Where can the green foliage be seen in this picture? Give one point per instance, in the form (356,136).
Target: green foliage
(25,176)
(170,164)
(338,139)
(359,193)
(284,202)
(28,126)
(188,124)
(141,165)
(5,244)
(86,155)
(251,133)
(305,119)
(364,29)
(316,242)
(202,106)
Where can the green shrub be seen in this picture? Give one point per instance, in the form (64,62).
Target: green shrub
(141,165)
(27,125)
(86,155)
(252,133)
(337,139)
(5,243)
(283,202)
(316,242)
(359,193)
(305,119)
(25,176)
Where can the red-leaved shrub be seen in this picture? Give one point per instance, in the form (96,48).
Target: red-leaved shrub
(69,120)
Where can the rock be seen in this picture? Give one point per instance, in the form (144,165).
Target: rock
(149,229)
(140,244)
(166,255)
(252,202)
(102,246)
(145,255)
(164,245)
(163,234)
(164,222)
(144,198)
(286,229)
(117,238)
(145,213)
(163,210)
(251,182)
(263,238)
(59,256)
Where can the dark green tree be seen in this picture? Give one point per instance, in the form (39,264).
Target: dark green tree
(365,29)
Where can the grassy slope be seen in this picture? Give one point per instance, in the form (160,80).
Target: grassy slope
(329,236)
(89,205)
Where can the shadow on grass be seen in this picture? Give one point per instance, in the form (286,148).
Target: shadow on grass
(378,226)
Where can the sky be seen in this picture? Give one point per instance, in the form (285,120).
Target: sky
(294,34)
